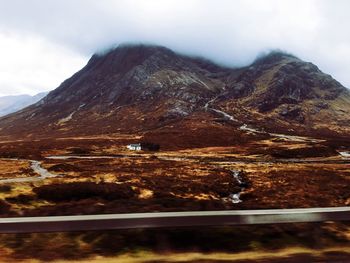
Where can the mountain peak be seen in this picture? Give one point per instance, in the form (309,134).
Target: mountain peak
(135,48)
(132,52)
(274,56)
(124,57)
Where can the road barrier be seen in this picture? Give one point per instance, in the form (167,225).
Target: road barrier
(171,219)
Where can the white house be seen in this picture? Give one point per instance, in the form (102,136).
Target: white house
(134,147)
(345,154)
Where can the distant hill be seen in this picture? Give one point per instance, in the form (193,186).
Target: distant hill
(10,104)
(153,91)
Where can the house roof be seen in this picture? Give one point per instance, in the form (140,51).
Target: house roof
(134,144)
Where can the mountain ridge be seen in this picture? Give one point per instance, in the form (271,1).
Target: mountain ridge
(13,103)
(144,89)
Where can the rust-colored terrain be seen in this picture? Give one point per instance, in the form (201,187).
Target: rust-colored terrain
(275,134)
(99,175)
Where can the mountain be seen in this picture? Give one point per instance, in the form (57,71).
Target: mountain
(153,91)
(10,104)
(286,93)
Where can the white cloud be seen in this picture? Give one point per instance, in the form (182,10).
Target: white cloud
(232,32)
(30,64)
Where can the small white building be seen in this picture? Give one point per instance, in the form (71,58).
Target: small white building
(134,147)
(345,154)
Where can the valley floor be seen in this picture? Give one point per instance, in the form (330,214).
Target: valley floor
(95,175)
(90,175)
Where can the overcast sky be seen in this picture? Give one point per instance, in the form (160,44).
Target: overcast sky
(44,42)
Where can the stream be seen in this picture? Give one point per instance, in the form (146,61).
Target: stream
(235,198)
(44,173)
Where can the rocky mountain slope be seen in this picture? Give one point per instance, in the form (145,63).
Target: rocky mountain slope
(10,104)
(153,91)
(295,94)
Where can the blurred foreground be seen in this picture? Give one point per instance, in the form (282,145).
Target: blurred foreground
(303,242)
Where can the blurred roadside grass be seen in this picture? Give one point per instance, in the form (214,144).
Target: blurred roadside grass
(304,241)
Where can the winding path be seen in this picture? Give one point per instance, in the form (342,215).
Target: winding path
(244,127)
(36,167)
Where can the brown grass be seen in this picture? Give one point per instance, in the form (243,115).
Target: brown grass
(188,179)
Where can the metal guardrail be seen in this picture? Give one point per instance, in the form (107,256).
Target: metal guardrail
(171,219)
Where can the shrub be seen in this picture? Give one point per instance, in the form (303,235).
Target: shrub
(21,199)
(79,151)
(5,188)
(148,146)
(64,167)
(84,190)
(5,208)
